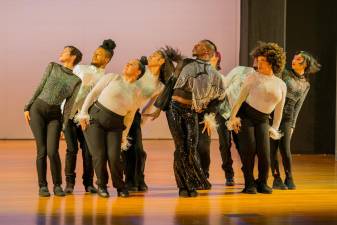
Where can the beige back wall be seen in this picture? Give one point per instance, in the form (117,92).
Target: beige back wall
(33,32)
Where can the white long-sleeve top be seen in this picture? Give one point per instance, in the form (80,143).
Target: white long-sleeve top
(266,94)
(149,87)
(89,75)
(114,93)
(233,81)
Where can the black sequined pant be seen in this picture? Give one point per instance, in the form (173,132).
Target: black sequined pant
(204,146)
(183,123)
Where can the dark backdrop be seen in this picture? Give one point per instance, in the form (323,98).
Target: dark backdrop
(300,25)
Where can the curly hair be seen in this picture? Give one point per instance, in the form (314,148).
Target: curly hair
(274,54)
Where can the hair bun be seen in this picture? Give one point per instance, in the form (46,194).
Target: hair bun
(109,45)
(143,60)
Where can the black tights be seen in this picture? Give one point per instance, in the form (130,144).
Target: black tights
(284,145)
(254,140)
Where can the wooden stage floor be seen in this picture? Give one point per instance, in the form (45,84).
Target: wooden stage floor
(315,201)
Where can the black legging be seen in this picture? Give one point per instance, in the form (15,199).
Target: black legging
(135,156)
(74,134)
(45,122)
(254,140)
(284,145)
(183,124)
(104,135)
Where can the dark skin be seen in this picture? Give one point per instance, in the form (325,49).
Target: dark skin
(203,51)
(100,58)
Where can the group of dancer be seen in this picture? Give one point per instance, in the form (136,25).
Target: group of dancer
(256,107)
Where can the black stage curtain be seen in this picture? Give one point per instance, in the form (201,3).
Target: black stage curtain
(261,20)
(300,25)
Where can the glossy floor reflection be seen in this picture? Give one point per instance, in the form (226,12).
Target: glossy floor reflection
(315,201)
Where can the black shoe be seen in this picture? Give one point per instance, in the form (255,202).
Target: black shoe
(207,175)
(44,192)
(143,187)
(69,189)
(289,182)
(278,184)
(123,192)
(193,193)
(58,191)
(133,188)
(249,190)
(183,193)
(91,189)
(204,187)
(103,192)
(264,188)
(230,181)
